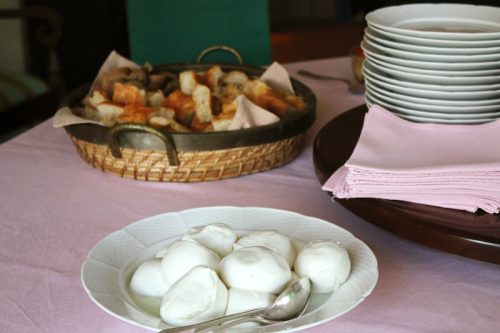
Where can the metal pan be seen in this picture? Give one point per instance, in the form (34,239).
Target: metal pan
(139,136)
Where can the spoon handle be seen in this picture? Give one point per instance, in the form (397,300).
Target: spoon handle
(321,76)
(221,327)
(214,322)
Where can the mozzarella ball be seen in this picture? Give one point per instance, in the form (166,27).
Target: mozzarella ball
(161,252)
(272,240)
(218,237)
(241,300)
(325,263)
(149,304)
(183,255)
(298,244)
(255,268)
(148,279)
(198,296)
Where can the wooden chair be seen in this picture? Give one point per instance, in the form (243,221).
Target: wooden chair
(172,31)
(37,104)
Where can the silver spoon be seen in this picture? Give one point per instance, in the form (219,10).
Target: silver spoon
(222,327)
(257,319)
(290,303)
(355,88)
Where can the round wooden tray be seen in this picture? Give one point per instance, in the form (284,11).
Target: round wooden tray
(471,235)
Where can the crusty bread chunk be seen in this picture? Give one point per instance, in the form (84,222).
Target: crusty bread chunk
(212,77)
(198,126)
(176,127)
(203,105)
(161,118)
(183,105)
(155,99)
(262,95)
(126,93)
(97,98)
(188,81)
(107,112)
(105,82)
(234,77)
(222,121)
(133,113)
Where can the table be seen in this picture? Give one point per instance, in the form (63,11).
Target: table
(54,208)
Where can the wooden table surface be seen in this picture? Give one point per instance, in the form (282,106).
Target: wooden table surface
(300,41)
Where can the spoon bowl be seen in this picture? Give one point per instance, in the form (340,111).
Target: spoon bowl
(291,303)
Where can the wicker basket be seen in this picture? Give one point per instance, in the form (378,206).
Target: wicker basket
(127,149)
(194,166)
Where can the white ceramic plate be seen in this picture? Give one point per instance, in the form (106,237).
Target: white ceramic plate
(434,79)
(112,261)
(436,111)
(419,119)
(370,51)
(379,75)
(407,80)
(450,43)
(476,74)
(418,56)
(439,21)
(377,38)
(445,121)
(450,103)
(434,94)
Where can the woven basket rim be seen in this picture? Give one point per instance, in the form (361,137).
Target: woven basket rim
(154,165)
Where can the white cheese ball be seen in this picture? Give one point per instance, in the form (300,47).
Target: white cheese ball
(241,300)
(325,263)
(298,244)
(218,237)
(198,296)
(148,279)
(272,240)
(183,255)
(255,268)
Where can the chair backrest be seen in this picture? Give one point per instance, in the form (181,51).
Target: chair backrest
(177,31)
(49,36)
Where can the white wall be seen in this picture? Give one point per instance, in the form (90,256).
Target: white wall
(12,42)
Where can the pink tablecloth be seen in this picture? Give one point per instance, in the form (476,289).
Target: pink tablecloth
(54,208)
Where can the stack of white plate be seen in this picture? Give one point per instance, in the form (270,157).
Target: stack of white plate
(434,62)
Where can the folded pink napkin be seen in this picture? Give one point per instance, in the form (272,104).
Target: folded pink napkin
(452,166)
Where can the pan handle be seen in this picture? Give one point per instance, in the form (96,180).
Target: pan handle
(220,48)
(114,142)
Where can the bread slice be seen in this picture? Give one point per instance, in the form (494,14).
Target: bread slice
(203,106)
(161,118)
(222,121)
(188,81)
(107,113)
(97,98)
(126,93)
(234,77)
(133,113)
(155,99)
(212,77)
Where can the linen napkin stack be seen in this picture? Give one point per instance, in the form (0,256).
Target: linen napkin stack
(451,166)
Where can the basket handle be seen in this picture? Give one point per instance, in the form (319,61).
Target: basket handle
(114,142)
(220,48)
